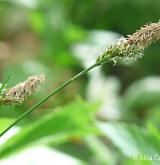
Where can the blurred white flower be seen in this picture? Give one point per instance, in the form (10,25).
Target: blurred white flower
(105,90)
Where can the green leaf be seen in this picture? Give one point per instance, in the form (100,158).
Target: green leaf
(74,119)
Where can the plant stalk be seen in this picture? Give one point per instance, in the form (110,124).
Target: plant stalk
(48,96)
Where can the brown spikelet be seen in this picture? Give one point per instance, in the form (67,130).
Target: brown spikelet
(131,48)
(20,92)
(146,35)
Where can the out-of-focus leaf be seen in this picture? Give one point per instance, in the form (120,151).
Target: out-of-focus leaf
(143,94)
(4,122)
(131,140)
(38,21)
(153,116)
(74,119)
(153,130)
(102,154)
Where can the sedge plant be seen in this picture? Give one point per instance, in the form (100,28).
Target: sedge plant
(127,49)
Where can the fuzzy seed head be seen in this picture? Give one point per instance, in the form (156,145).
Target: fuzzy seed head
(130,49)
(19,93)
(146,35)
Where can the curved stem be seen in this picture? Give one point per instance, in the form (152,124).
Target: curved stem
(48,96)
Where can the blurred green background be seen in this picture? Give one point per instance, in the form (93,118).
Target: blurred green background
(109,116)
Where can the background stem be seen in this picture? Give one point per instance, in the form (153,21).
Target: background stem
(48,96)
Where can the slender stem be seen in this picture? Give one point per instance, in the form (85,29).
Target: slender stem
(48,96)
(5,82)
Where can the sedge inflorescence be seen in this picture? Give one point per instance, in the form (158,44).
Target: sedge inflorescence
(132,47)
(20,92)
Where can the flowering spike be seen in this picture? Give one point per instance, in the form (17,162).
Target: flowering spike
(20,92)
(131,48)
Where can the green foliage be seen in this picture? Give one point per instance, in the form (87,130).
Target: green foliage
(73,120)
